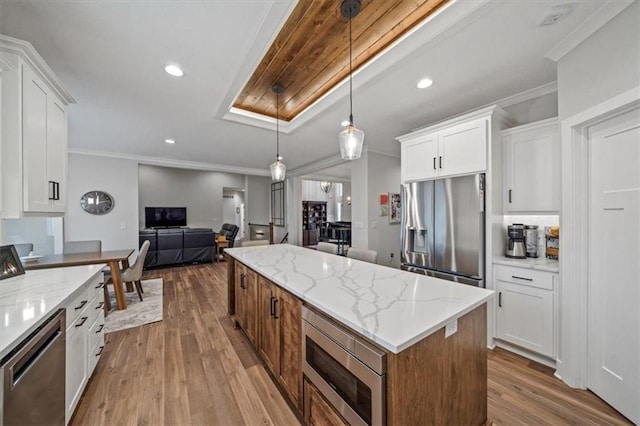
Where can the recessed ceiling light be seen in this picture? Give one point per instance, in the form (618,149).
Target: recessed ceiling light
(424,83)
(171,141)
(174,70)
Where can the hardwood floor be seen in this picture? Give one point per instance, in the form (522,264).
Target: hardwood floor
(194,368)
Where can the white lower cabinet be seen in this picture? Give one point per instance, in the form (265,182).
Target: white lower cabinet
(526,309)
(85,340)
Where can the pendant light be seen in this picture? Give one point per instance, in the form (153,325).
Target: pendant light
(350,138)
(326,186)
(278,169)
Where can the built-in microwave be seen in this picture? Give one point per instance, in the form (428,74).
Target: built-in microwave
(348,371)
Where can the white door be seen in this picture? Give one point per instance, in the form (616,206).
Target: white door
(614,259)
(463,149)
(418,159)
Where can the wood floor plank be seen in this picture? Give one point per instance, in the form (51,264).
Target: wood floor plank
(195,368)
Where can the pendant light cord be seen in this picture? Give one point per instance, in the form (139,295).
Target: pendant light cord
(277,126)
(350,72)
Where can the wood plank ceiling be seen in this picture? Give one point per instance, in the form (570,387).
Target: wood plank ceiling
(310,55)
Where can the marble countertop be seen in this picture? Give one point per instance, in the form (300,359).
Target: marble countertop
(394,308)
(29,299)
(540,263)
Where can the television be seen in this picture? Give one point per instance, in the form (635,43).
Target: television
(165,217)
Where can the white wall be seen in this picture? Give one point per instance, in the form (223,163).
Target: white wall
(258,200)
(346,207)
(604,65)
(43,232)
(199,191)
(536,109)
(119,178)
(371,175)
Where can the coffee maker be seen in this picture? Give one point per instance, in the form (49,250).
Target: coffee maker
(516,247)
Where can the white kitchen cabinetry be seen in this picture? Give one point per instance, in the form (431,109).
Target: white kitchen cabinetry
(532,167)
(452,148)
(85,339)
(34,133)
(526,311)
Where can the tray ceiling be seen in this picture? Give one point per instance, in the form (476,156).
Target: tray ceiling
(310,55)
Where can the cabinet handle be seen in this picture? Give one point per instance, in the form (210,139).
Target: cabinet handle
(84,302)
(52,190)
(84,319)
(522,278)
(500,299)
(275,308)
(100,351)
(440,162)
(57,191)
(100,329)
(99,285)
(434,163)
(271,307)
(100,305)
(242,286)
(509,196)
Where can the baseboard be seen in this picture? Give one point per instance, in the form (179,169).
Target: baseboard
(526,353)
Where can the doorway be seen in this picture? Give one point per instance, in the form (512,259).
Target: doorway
(614,262)
(233,209)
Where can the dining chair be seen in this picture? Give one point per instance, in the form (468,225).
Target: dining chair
(328,247)
(71,247)
(130,274)
(255,243)
(23,249)
(366,255)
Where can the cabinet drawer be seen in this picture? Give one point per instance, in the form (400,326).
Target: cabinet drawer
(77,305)
(95,308)
(524,276)
(96,343)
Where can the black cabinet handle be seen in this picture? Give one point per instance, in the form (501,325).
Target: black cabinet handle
(100,351)
(522,278)
(275,308)
(100,329)
(57,192)
(84,319)
(509,196)
(84,302)
(100,305)
(434,163)
(52,190)
(99,285)
(500,300)
(242,286)
(440,161)
(271,306)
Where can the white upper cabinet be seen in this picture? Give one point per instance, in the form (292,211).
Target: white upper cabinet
(532,167)
(454,147)
(34,133)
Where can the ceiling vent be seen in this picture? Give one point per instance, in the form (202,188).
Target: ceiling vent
(554,14)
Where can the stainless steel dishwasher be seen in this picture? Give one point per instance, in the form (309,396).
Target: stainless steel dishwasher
(33,377)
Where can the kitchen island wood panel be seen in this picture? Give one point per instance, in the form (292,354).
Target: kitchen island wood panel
(441,381)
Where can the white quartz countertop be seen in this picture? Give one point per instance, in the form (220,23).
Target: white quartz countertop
(540,263)
(27,300)
(394,308)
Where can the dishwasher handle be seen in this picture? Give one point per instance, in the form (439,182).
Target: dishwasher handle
(36,345)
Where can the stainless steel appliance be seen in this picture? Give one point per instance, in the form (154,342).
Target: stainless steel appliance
(33,377)
(347,370)
(516,247)
(531,240)
(443,228)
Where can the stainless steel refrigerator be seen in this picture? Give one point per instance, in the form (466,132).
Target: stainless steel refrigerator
(443,228)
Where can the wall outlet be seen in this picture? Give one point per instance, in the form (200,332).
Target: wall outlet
(451,328)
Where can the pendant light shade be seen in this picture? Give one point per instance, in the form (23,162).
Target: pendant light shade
(351,138)
(278,169)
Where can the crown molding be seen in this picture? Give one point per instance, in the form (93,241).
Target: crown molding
(530,126)
(592,24)
(166,162)
(315,166)
(527,95)
(28,54)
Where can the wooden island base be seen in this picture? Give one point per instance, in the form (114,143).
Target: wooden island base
(436,381)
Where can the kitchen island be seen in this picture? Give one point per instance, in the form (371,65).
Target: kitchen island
(429,377)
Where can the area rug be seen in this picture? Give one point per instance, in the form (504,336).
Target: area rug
(137,313)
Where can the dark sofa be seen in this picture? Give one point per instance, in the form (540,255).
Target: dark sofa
(178,246)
